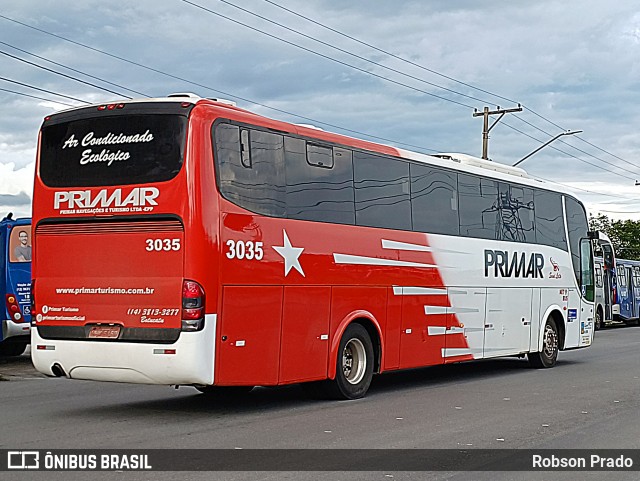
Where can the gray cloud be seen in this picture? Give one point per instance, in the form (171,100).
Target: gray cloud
(580,71)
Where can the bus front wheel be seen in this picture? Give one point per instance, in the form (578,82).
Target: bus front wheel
(550,347)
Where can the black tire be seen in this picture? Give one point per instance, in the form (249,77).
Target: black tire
(12,348)
(224,392)
(598,320)
(354,364)
(550,347)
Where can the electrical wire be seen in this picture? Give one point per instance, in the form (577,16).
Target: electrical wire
(435,72)
(72,69)
(2,52)
(44,90)
(327,57)
(35,97)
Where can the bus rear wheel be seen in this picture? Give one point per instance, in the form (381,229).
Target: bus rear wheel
(550,347)
(598,320)
(354,368)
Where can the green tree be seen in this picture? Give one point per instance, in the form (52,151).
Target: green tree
(624,235)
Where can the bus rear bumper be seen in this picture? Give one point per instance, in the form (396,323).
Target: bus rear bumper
(12,329)
(189,360)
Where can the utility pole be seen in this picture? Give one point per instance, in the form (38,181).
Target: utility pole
(486,129)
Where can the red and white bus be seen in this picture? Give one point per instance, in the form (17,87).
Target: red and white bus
(186,241)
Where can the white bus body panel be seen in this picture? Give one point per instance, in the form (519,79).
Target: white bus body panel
(511,310)
(143,363)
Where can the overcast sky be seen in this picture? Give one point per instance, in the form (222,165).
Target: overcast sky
(412,76)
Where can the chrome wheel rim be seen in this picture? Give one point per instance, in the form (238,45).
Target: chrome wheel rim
(354,361)
(550,342)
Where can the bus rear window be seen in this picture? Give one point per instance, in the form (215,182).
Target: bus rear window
(112,150)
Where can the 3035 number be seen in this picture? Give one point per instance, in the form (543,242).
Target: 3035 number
(245,250)
(159,245)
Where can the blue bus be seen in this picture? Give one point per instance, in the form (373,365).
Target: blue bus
(15,285)
(628,273)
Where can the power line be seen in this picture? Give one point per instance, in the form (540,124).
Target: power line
(435,72)
(44,90)
(571,155)
(62,74)
(35,97)
(359,69)
(225,94)
(359,57)
(382,77)
(582,151)
(397,57)
(72,69)
(283,111)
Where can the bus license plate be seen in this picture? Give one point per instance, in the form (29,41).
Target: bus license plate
(104,332)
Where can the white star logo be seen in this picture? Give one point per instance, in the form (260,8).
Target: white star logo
(290,255)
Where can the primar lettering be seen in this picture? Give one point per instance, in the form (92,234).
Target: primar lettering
(83,199)
(514,264)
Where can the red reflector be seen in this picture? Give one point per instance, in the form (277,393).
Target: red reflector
(120,106)
(164,351)
(192,314)
(102,107)
(185,104)
(111,106)
(44,347)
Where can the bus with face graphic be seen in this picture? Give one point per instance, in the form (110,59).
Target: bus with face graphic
(15,285)
(186,241)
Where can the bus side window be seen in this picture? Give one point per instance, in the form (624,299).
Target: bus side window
(434,200)
(319,155)
(598,276)
(245,149)
(549,219)
(319,182)
(381,191)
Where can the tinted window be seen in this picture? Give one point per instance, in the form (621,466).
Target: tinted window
(112,150)
(479,207)
(514,220)
(549,220)
(577,227)
(434,200)
(319,155)
(319,182)
(255,182)
(382,192)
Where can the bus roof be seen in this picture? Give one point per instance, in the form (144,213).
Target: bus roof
(457,161)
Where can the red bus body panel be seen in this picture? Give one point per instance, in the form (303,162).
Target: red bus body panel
(274,326)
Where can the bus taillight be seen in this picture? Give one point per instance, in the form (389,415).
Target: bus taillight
(192,306)
(14,308)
